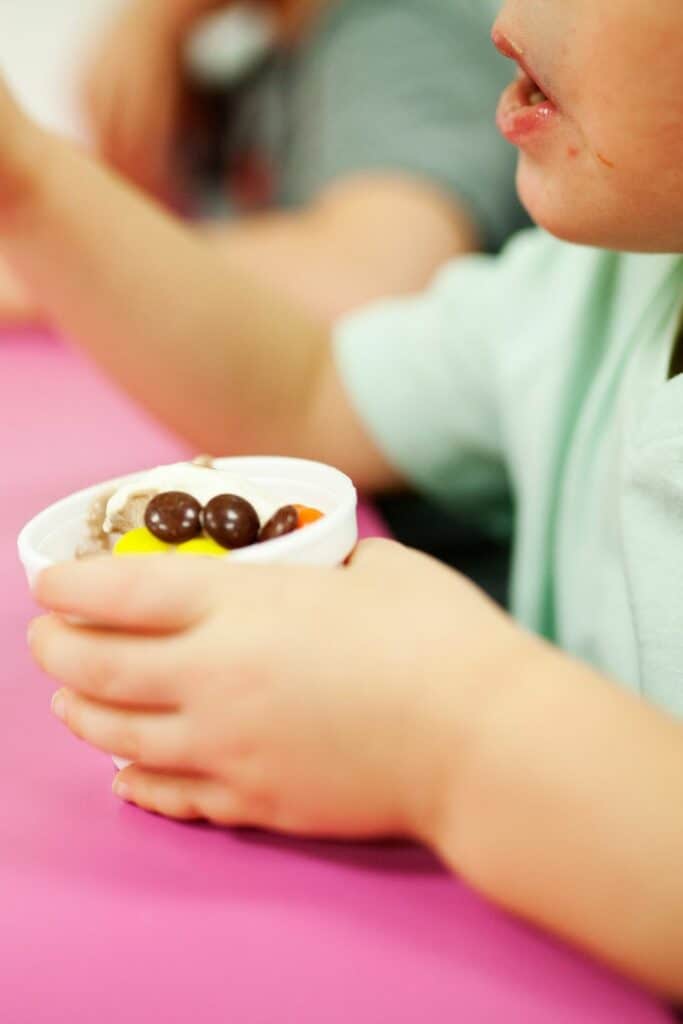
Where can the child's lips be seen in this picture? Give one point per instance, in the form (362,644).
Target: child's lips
(524,110)
(526,106)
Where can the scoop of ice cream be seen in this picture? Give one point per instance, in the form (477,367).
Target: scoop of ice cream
(125,508)
(131,517)
(96,540)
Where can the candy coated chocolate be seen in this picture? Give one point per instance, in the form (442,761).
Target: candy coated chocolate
(285,520)
(204,547)
(174,517)
(139,542)
(231,521)
(307,515)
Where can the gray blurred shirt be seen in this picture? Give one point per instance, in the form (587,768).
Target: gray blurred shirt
(388,85)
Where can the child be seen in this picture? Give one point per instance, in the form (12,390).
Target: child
(391,697)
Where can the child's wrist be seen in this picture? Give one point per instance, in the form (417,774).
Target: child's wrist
(474,770)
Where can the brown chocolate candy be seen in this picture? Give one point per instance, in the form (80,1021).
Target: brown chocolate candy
(231,521)
(285,520)
(174,517)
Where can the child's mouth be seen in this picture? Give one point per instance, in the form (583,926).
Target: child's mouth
(525,107)
(535,93)
(529,93)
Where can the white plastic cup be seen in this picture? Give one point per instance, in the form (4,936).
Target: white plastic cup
(56,532)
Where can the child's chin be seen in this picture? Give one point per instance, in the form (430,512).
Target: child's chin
(557,207)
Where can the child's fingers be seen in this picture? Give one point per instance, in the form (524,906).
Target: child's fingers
(181,797)
(141,595)
(157,739)
(108,667)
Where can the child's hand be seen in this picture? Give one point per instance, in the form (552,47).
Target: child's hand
(133,94)
(327,702)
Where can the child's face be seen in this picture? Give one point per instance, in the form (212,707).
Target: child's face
(602,151)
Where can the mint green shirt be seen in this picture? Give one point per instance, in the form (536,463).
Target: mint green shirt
(533,389)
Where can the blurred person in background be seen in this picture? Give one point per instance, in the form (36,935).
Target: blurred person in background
(361,155)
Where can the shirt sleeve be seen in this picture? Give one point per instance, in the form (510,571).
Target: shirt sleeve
(420,374)
(409,86)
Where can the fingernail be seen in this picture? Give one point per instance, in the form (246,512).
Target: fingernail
(59,705)
(121,789)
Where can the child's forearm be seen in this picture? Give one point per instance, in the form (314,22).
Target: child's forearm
(221,359)
(405,229)
(571,814)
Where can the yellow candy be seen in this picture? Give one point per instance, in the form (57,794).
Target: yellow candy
(139,542)
(204,546)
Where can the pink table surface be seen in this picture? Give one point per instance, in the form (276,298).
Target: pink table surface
(111,915)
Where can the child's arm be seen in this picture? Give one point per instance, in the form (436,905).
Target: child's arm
(404,227)
(17,308)
(223,360)
(570,813)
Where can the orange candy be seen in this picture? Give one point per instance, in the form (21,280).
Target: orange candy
(308,515)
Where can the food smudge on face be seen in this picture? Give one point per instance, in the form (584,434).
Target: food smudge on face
(605,161)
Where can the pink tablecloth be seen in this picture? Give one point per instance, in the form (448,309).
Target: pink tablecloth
(110,915)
